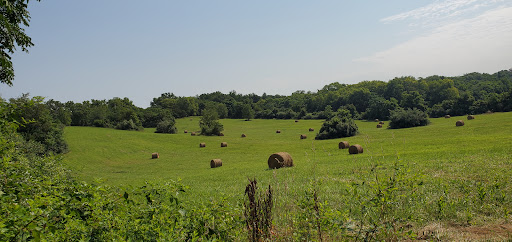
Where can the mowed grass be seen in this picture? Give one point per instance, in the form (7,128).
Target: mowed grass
(479,151)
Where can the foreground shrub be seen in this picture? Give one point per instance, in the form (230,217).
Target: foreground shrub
(167,126)
(339,126)
(40,201)
(406,118)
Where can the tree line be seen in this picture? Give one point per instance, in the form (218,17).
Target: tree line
(437,96)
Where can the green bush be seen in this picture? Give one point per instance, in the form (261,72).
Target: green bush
(406,118)
(37,124)
(101,123)
(167,126)
(341,125)
(128,125)
(209,123)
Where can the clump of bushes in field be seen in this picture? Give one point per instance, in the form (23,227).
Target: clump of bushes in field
(167,126)
(128,125)
(209,123)
(406,118)
(341,125)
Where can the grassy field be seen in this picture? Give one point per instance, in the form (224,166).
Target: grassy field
(458,166)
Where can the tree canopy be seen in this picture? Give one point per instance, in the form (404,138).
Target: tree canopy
(13,16)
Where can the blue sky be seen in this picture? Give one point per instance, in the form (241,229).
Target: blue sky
(139,49)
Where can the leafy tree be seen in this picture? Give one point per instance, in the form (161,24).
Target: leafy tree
(167,126)
(13,15)
(327,113)
(406,118)
(159,101)
(463,104)
(59,112)
(79,113)
(98,113)
(221,108)
(440,90)
(342,125)
(247,112)
(360,98)
(441,109)
(209,123)
(37,124)
(413,100)
(302,113)
(153,115)
(379,108)
(128,125)
(186,106)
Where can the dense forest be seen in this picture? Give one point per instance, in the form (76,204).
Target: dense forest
(472,93)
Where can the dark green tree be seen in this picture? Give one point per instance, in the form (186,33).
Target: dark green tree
(327,113)
(379,108)
(209,123)
(59,112)
(341,125)
(413,100)
(37,124)
(247,112)
(153,115)
(406,118)
(13,16)
(167,126)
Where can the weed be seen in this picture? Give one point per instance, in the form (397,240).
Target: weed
(258,212)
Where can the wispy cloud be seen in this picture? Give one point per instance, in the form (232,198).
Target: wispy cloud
(481,43)
(439,12)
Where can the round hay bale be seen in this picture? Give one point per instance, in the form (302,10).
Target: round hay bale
(280,159)
(278,131)
(243,135)
(381,122)
(296,121)
(470,117)
(202,145)
(185,131)
(355,149)
(193,133)
(155,156)
(343,145)
(221,134)
(303,136)
(447,116)
(224,144)
(376,120)
(379,126)
(311,129)
(459,123)
(215,163)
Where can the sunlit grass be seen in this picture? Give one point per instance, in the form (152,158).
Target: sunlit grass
(440,154)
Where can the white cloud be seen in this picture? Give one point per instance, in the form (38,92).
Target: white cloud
(482,44)
(440,12)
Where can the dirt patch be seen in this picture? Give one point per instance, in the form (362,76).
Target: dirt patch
(438,232)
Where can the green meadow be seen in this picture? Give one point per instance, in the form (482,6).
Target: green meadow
(469,168)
